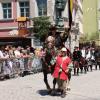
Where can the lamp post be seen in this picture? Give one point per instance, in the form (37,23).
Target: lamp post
(59,7)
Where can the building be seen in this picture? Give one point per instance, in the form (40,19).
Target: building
(91,17)
(11,10)
(77,27)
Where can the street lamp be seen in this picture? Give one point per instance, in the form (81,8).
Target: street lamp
(59,7)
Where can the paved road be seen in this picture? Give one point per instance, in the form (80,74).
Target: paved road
(83,87)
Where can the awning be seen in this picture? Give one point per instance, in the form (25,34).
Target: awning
(12,34)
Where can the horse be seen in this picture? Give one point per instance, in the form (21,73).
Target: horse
(54,43)
(48,65)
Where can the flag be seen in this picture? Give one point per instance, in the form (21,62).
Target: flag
(70,10)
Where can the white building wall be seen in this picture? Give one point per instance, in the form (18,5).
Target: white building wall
(65,12)
(80,17)
(78,20)
(51,9)
(33,9)
(1,11)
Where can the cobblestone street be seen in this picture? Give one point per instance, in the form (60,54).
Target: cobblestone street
(32,87)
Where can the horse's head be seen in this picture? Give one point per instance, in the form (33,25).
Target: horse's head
(50,45)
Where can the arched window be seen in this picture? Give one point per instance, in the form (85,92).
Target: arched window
(42,7)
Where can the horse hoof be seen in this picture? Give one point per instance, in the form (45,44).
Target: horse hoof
(58,90)
(49,91)
(63,95)
(53,92)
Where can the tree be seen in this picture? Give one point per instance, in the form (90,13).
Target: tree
(41,27)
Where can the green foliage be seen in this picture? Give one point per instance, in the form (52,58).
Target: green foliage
(41,27)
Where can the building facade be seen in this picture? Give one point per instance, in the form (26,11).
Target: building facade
(10,11)
(13,9)
(90,18)
(77,27)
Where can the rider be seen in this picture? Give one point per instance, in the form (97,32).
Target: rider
(55,38)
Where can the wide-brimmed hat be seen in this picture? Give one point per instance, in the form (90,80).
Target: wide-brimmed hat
(64,49)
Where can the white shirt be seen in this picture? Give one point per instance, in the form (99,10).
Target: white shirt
(83,53)
(88,55)
(17,53)
(1,54)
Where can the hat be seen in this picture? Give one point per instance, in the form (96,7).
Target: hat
(64,49)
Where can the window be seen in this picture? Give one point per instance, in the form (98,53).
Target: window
(7,11)
(42,7)
(24,9)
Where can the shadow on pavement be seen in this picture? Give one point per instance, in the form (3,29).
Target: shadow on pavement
(43,92)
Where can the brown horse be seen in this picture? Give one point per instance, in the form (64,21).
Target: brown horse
(48,64)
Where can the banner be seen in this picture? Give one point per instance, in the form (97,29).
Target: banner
(70,10)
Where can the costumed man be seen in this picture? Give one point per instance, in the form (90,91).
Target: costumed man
(61,70)
(55,38)
(83,51)
(76,60)
(97,57)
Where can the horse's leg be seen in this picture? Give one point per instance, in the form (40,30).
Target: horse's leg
(54,83)
(46,81)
